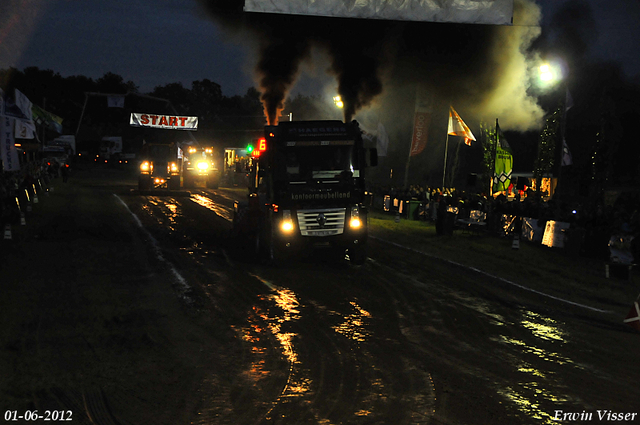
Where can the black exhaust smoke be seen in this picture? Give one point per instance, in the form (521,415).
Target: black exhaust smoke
(461,63)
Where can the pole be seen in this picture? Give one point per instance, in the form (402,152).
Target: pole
(495,155)
(44,127)
(560,155)
(86,97)
(444,171)
(406,168)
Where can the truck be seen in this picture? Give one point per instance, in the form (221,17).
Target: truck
(112,151)
(200,165)
(160,166)
(306,190)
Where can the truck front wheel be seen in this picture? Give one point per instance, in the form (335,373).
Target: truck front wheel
(174,183)
(144,183)
(212,183)
(357,255)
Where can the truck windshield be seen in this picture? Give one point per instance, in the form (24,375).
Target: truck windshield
(159,151)
(321,162)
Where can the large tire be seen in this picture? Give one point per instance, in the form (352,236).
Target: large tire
(144,183)
(213,183)
(174,183)
(269,251)
(188,181)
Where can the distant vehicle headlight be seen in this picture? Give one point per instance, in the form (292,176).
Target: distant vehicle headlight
(203,165)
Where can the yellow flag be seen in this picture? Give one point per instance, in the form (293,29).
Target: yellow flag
(457,127)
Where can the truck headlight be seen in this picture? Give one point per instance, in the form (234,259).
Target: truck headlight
(355,222)
(145,167)
(286,225)
(173,167)
(202,166)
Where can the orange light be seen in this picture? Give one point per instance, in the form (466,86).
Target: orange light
(262,144)
(255,153)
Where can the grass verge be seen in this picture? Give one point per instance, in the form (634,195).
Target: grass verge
(550,270)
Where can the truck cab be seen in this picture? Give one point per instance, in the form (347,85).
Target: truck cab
(307,189)
(160,167)
(199,164)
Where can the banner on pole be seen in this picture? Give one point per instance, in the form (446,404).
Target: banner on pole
(421,121)
(170,122)
(503,163)
(9,153)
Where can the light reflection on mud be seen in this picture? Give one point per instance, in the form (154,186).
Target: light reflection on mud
(354,325)
(478,305)
(282,307)
(538,352)
(543,327)
(171,215)
(208,203)
(530,405)
(536,388)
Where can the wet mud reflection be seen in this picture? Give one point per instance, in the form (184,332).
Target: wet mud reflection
(210,204)
(354,325)
(539,391)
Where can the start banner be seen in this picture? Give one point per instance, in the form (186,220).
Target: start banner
(171,122)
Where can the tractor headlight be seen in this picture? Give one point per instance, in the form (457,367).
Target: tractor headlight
(202,166)
(145,167)
(354,221)
(286,225)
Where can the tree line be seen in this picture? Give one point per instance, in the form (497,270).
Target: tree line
(65,97)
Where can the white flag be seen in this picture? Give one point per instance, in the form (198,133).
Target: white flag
(457,127)
(25,129)
(24,104)
(8,151)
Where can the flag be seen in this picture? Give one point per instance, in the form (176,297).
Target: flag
(567,159)
(115,101)
(25,129)
(382,140)
(8,151)
(504,162)
(457,127)
(421,120)
(24,104)
(42,117)
(568,102)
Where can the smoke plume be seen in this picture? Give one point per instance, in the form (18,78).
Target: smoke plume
(482,69)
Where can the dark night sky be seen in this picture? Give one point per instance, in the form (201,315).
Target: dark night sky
(159,42)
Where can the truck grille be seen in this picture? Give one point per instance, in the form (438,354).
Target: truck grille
(321,222)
